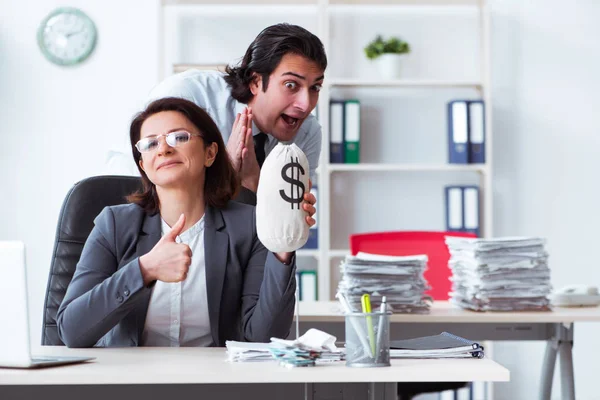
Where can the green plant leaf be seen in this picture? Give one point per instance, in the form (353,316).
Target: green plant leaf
(380,46)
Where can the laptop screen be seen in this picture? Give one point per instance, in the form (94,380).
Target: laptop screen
(14,334)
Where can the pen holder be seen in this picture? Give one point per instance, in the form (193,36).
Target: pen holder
(368,339)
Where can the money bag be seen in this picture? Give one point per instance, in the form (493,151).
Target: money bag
(280,219)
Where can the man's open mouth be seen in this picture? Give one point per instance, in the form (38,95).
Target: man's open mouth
(289,120)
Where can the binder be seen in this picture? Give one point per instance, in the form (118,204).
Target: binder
(313,232)
(479,390)
(336,132)
(458,134)
(352,132)
(476,132)
(454,208)
(471,209)
(315,111)
(462,209)
(308,285)
(298,290)
(436,346)
(447,395)
(464,393)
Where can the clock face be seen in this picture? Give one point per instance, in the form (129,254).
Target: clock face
(67,36)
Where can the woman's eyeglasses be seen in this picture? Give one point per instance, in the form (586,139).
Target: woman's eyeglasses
(173,139)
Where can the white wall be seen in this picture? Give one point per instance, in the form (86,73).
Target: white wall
(56,125)
(545,86)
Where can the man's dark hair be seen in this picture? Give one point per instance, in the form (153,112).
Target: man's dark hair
(221,182)
(264,55)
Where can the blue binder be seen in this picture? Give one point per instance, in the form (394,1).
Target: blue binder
(476,132)
(458,132)
(308,285)
(471,209)
(462,209)
(454,208)
(336,131)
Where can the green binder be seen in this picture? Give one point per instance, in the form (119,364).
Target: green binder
(352,132)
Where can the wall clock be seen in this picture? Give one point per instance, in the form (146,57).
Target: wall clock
(67,36)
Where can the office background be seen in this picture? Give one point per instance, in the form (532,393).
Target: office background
(58,124)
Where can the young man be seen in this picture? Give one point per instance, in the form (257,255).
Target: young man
(267,99)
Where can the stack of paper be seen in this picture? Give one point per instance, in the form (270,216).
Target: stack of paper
(444,345)
(503,274)
(400,279)
(247,351)
(306,351)
(309,349)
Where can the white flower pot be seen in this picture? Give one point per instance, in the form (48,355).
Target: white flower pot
(389,65)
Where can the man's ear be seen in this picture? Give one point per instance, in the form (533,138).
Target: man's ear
(256,83)
(211,154)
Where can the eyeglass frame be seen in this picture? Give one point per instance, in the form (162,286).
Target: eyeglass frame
(166,136)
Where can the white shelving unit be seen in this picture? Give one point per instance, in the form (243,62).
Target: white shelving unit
(403,83)
(317,16)
(324,11)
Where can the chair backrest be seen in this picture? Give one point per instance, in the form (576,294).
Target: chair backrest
(410,243)
(82,204)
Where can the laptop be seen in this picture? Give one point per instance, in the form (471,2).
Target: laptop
(14,333)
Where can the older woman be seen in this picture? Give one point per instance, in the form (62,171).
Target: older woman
(181,265)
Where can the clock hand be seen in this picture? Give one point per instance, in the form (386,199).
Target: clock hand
(68,35)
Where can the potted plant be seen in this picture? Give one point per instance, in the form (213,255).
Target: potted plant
(388,54)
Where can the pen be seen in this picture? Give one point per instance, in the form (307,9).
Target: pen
(366,308)
(357,327)
(381,327)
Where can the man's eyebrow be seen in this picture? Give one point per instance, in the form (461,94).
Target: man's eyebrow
(320,78)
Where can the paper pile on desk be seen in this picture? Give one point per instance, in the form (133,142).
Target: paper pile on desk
(247,351)
(313,347)
(400,279)
(444,345)
(502,274)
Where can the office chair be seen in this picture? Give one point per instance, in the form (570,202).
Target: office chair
(438,273)
(82,204)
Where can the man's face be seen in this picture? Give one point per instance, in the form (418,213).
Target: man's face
(291,95)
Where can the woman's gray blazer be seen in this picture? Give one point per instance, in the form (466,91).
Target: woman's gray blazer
(250,293)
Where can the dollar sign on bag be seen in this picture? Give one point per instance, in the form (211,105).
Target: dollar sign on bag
(296,186)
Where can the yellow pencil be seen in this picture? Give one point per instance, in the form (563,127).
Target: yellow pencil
(366,308)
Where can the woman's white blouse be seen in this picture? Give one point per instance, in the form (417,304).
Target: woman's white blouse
(178,312)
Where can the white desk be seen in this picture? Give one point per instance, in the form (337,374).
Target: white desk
(555,327)
(200,366)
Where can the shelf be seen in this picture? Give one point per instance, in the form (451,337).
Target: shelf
(356,80)
(332,2)
(481,168)
(204,67)
(338,253)
(411,83)
(308,253)
(409,2)
(237,2)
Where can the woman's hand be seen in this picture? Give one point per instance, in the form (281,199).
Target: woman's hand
(168,261)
